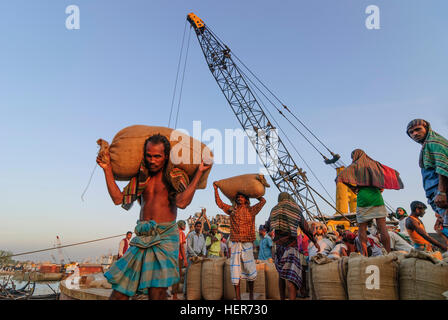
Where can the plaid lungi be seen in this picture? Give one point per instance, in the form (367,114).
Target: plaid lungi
(242,262)
(287,262)
(151,260)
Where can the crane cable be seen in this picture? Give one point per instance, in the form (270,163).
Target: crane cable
(183,76)
(177,74)
(280,103)
(285,135)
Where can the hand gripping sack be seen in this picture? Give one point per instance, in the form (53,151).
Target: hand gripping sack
(251,185)
(126,151)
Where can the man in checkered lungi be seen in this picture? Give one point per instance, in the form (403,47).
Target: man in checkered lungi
(242,236)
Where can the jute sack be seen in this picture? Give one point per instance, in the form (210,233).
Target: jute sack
(260,282)
(272,289)
(194,279)
(251,185)
(229,290)
(373,278)
(213,278)
(422,277)
(126,151)
(328,278)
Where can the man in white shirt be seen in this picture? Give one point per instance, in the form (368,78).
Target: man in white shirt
(397,243)
(195,248)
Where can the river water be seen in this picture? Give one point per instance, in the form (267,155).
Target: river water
(40,289)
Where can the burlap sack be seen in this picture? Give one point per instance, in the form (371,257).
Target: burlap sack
(260,282)
(229,290)
(251,185)
(328,278)
(213,278)
(423,277)
(126,151)
(373,278)
(272,288)
(194,280)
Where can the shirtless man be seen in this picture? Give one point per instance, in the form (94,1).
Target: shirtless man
(156,231)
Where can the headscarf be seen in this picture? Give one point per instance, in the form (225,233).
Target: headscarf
(398,216)
(366,172)
(286,216)
(434,153)
(418,122)
(213,227)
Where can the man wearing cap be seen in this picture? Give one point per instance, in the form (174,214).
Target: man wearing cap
(266,244)
(416,229)
(434,166)
(213,242)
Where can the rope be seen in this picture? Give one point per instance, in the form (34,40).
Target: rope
(68,245)
(88,183)
(183,76)
(177,74)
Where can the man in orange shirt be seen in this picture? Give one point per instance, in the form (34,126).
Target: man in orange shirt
(242,236)
(182,255)
(416,229)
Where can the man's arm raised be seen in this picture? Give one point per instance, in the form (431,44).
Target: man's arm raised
(219,203)
(114,191)
(184,198)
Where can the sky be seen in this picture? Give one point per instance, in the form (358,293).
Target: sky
(61,90)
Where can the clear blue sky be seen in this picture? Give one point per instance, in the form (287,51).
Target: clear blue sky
(61,90)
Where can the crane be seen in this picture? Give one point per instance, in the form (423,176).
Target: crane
(262,133)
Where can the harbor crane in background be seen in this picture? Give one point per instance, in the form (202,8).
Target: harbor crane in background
(235,83)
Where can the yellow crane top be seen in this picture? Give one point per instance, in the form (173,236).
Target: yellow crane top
(195,20)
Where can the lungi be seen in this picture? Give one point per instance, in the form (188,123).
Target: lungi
(288,265)
(242,262)
(151,260)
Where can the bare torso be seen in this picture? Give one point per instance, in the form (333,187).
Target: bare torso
(155,204)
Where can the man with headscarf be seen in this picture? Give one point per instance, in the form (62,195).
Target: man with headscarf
(401,215)
(434,166)
(285,218)
(367,178)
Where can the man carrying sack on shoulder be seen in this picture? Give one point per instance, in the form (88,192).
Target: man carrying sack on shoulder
(150,265)
(242,236)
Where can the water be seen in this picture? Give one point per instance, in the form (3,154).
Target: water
(40,289)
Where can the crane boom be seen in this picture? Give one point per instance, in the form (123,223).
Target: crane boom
(280,165)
